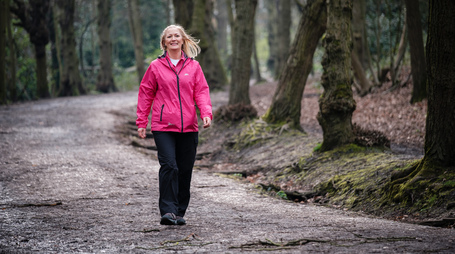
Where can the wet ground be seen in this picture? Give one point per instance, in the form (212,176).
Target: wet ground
(68,184)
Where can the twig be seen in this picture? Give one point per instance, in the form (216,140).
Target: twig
(192,235)
(147,230)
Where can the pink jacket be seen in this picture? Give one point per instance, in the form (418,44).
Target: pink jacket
(174,92)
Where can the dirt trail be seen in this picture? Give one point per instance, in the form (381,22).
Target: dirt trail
(68,184)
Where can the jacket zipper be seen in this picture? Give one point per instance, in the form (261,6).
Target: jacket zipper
(161,115)
(178,88)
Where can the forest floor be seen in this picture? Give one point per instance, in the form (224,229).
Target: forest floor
(75,178)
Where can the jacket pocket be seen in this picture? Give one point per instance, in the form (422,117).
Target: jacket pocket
(161,115)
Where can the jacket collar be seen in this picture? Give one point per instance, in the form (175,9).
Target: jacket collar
(166,55)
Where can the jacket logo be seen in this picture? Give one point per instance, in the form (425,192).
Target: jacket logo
(186,74)
(170,124)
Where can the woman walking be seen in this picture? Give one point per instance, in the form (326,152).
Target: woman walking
(171,87)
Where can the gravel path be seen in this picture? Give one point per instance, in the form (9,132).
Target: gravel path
(68,184)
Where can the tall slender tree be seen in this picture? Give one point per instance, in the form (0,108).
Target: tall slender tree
(222,25)
(419,75)
(11,75)
(209,58)
(337,103)
(287,100)
(32,15)
(70,78)
(134,18)
(272,34)
(105,80)
(4,6)
(241,54)
(283,35)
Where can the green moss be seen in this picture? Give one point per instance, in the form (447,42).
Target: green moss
(450,184)
(258,131)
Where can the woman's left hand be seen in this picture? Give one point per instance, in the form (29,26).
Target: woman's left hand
(207,122)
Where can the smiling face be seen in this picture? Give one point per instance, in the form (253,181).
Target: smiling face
(173,39)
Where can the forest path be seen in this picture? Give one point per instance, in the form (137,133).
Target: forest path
(68,184)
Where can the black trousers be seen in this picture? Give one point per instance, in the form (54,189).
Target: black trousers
(176,155)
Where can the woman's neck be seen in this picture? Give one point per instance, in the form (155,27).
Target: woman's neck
(175,54)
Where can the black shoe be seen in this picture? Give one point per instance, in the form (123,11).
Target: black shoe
(169,219)
(180,220)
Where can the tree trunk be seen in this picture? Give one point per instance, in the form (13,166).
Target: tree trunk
(359,74)
(222,24)
(359,56)
(11,76)
(105,80)
(231,20)
(41,71)
(32,18)
(70,78)
(81,46)
(283,35)
(424,179)
(257,69)
(136,32)
(337,103)
(419,74)
(167,6)
(243,47)
(394,71)
(209,58)
(440,122)
(4,5)
(272,36)
(359,33)
(55,51)
(183,11)
(287,100)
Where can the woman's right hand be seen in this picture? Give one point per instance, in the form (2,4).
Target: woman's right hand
(141,132)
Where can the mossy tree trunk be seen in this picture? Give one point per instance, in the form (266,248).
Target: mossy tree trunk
(134,19)
(70,78)
(440,122)
(337,103)
(419,74)
(105,80)
(287,100)
(32,16)
(412,185)
(243,48)
(209,58)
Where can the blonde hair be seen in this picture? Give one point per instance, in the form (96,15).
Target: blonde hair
(190,45)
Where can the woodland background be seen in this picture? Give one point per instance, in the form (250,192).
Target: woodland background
(378,27)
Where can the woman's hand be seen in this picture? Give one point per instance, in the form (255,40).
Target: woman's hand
(141,132)
(207,122)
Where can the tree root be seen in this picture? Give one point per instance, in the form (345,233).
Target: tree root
(173,243)
(272,246)
(186,239)
(34,204)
